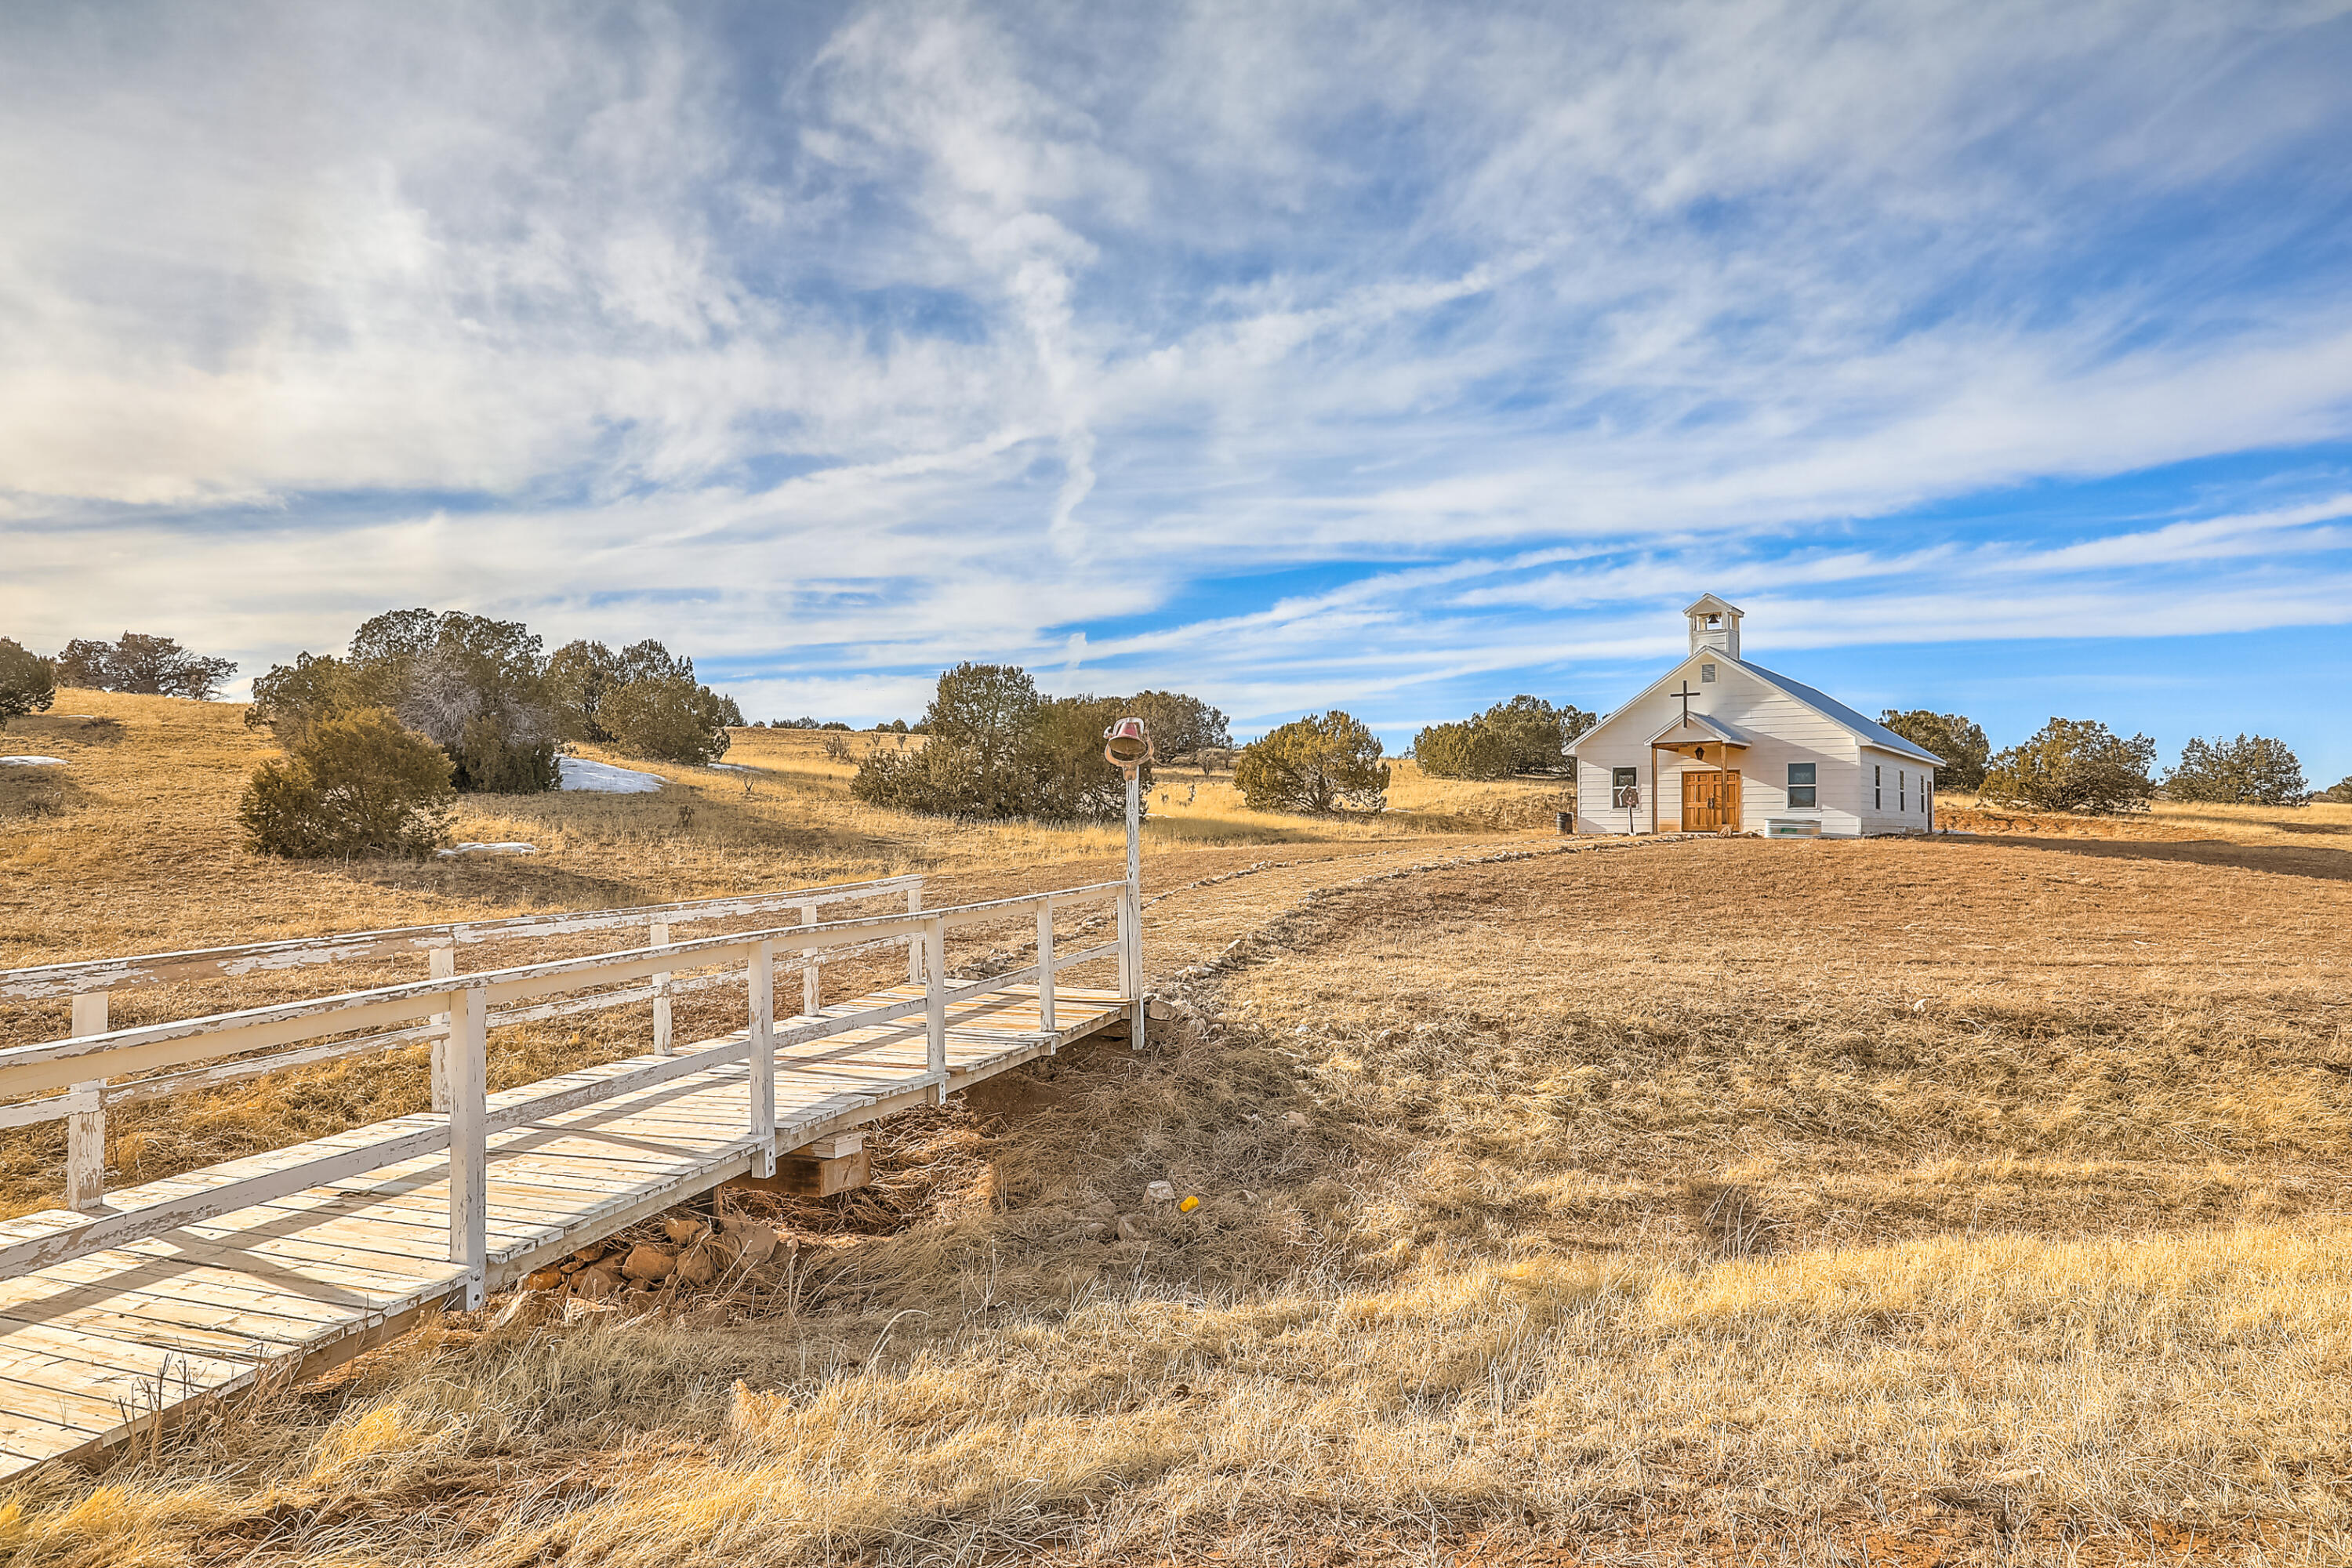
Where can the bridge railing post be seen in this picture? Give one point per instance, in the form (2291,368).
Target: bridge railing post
(442,961)
(915,949)
(763,988)
(935,1007)
(659,931)
(1045,963)
(86,1129)
(812,988)
(469,1195)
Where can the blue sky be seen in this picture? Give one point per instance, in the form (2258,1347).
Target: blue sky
(1993,357)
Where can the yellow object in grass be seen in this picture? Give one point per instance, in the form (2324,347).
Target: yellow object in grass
(1188,1205)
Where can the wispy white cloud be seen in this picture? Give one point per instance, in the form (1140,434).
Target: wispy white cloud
(1310,353)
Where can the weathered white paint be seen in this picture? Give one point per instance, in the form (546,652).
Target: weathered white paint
(1130,908)
(935,1006)
(27,1069)
(469,1174)
(1045,963)
(761,1045)
(86,1128)
(258,958)
(812,987)
(443,965)
(913,949)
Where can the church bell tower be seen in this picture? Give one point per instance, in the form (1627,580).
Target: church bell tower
(1715,624)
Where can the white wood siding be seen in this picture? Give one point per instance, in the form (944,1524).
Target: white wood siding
(1780,731)
(1899,805)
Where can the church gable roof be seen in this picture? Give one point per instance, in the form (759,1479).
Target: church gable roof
(1829,706)
(1869,731)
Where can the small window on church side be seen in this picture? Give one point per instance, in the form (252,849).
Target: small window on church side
(1802,792)
(1621,784)
(1705,673)
(1902,790)
(1877,786)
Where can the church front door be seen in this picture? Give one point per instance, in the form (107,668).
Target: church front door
(1710,800)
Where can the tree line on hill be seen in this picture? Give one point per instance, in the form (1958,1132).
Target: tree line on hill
(421,705)
(1524,735)
(137,662)
(2081,765)
(998,748)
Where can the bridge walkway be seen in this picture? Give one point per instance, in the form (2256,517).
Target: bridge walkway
(94,1348)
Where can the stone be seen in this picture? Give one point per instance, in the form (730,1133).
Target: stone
(648,1262)
(1295,1119)
(684,1229)
(758,1241)
(543,1279)
(1132,1229)
(779,1263)
(595,1284)
(1160,1192)
(587,1255)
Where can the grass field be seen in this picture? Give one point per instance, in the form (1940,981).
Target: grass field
(1967,1200)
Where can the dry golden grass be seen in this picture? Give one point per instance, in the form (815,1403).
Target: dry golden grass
(133,847)
(1727,1202)
(2322,824)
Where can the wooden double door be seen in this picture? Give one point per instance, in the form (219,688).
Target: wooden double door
(1710,799)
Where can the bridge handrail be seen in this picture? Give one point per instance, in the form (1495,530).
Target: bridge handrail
(466,1000)
(38,981)
(91,983)
(27,1069)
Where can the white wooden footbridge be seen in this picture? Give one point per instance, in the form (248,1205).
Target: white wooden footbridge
(118,1309)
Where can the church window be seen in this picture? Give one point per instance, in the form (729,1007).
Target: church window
(1621,784)
(1901,791)
(1705,673)
(1877,786)
(1802,790)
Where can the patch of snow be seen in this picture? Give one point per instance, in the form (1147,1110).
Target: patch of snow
(734,768)
(32,762)
(490,850)
(603,778)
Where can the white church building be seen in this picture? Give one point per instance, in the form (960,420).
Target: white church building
(1718,743)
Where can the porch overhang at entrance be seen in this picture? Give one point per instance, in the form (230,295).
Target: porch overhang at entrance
(1701,739)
